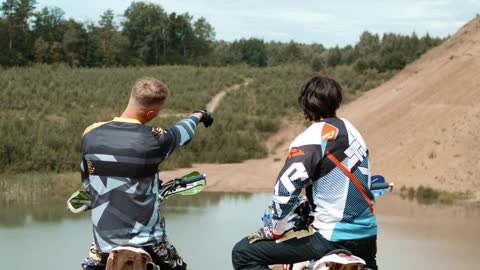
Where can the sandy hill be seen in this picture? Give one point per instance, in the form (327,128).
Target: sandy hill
(423,126)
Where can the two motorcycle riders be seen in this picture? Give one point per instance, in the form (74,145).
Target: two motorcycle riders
(328,162)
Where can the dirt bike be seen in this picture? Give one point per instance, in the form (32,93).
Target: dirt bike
(300,220)
(132,257)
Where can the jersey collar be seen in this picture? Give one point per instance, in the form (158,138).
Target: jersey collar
(126,120)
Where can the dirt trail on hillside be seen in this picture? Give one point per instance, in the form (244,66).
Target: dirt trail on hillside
(421,127)
(215,101)
(213,104)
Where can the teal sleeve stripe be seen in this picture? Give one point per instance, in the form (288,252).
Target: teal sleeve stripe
(193,119)
(362,227)
(186,129)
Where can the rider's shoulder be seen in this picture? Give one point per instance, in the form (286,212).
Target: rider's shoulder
(346,121)
(311,135)
(304,138)
(348,124)
(158,131)
(94,126)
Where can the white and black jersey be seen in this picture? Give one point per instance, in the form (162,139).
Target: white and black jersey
(341,207)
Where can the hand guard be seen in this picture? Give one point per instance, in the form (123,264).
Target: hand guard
(207,119)
(264,233)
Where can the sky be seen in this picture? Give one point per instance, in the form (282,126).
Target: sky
(330,23)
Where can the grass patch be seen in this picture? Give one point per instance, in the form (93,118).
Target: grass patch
(45,109)
(428,195)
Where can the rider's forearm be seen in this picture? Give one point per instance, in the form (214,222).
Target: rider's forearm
(288,187)
(185,129)
(197,115)
(284,203)
(283,206)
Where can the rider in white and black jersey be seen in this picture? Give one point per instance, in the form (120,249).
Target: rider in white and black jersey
(329,160)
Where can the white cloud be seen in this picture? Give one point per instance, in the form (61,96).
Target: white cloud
(293,17)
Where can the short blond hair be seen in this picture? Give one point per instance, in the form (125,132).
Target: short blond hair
(148,92)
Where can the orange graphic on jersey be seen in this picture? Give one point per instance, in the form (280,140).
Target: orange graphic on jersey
(295,152)
(329,133)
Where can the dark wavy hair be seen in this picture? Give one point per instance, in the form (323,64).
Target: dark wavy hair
(320,97)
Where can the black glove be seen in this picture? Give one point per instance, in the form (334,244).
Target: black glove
(207,119)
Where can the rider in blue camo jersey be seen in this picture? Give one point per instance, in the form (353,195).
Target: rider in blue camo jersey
(119,170)
(329,162)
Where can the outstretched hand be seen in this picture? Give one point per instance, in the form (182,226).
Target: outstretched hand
(206,119)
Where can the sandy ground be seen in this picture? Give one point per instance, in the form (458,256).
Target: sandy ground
(257,175)
(422,126)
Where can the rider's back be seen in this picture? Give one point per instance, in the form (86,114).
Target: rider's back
(120,165)
(340,211)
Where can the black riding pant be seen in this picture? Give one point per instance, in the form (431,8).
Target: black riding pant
(259,255)
(364,248)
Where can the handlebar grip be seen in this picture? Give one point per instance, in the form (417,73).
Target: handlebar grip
(376,186)
(193,179)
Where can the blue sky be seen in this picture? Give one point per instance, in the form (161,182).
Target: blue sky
(327,22)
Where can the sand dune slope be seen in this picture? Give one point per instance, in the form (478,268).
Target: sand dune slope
(423,126)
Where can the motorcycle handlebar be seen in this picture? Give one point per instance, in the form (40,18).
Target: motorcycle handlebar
(193,179)
(376,186)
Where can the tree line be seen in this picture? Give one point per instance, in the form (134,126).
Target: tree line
(148,35)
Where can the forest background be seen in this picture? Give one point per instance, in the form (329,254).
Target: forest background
(58,76)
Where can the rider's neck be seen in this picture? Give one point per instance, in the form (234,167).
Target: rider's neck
(132,114)
(319,120)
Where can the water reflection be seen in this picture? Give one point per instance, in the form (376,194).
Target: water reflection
(419,236)
(431,236)
(23,215)
(205,200)
(36,231)
(428,195)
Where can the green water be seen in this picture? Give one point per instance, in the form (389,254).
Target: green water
(205,227)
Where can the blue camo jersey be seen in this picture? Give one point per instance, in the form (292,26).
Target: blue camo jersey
(119,170)
(340,211)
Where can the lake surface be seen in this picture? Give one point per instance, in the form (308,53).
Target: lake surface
(205,227)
